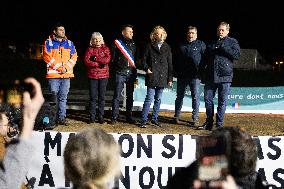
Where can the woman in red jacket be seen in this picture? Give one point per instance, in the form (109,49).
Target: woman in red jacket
(97,58)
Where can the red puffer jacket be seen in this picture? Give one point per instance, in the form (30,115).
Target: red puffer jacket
(97,61)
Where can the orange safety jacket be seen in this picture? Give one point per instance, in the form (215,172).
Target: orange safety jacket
(59,55)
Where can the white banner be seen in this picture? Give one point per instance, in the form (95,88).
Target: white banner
(148,160)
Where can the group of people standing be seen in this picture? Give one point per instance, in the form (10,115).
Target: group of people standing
(211,64)
(196,62)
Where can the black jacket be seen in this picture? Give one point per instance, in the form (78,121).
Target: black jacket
(188,59)
(219,59)
(119,63)
(159,61)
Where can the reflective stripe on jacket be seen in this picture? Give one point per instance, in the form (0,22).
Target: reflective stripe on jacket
(59,55)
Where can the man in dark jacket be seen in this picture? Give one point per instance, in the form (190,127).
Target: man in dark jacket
(123,52)
(157,63)
(218,67)
(187,68)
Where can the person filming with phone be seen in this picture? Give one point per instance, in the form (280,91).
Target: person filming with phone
(240,172)
(19,149)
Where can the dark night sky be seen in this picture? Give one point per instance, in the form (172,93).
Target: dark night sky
(256,25)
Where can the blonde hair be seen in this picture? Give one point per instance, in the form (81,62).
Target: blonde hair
(91,159)
(97,34)
(152,37)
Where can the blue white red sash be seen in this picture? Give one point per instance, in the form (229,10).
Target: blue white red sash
(125,51)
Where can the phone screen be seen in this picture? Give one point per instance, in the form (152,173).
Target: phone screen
(11,94)
(213,153)
(11,100)
(14,97)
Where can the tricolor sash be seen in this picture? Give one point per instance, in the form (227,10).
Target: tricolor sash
(125,51)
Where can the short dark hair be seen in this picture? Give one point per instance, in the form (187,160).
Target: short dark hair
(191,28)
(126,26)
(243,156)
(57,25)
(242,160)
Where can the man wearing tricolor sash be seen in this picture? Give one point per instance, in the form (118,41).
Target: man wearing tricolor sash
(123,62)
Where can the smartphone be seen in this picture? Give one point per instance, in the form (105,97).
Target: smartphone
(11,94)
(11,101)
(213,154)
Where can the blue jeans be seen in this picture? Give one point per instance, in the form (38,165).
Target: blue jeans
(120,79)
(152,93)
(61,88)
(209,94)
(194,85)
(97,88)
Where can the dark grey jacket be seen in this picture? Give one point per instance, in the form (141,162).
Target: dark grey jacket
(218,61)
(119,64)
(159,61)
(188,59)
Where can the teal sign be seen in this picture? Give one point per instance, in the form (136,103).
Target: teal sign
(240,99)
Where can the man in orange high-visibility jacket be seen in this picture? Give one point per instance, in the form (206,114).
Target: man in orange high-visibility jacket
(60,56)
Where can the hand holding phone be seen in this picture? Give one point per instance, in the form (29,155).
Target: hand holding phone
(11,101)
(11,93)
(32,102)
(20,101)
(213,158)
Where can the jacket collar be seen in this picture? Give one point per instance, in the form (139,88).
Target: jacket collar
(125,40)
(155,46)
(52,37)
